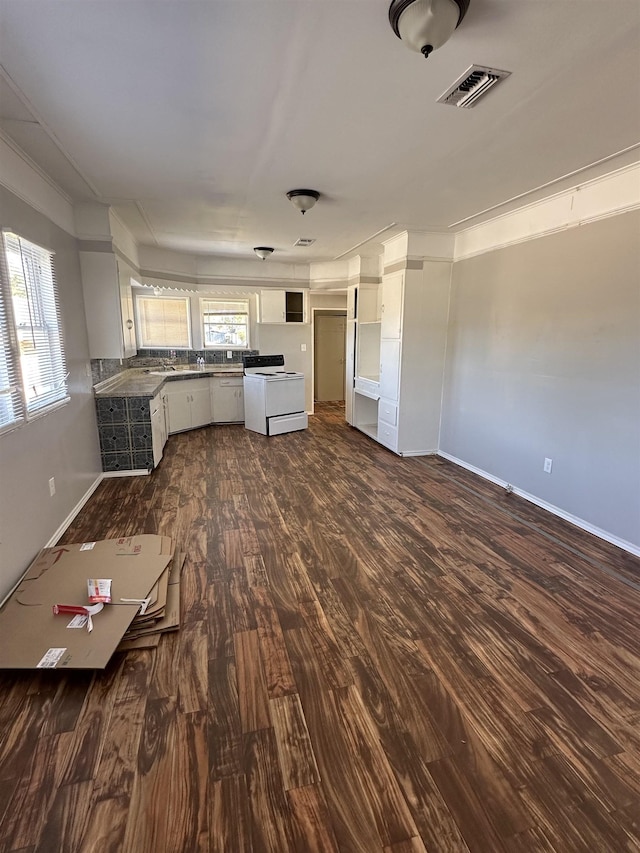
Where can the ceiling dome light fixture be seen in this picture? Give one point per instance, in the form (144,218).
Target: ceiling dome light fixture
(263,252)
(425,25)
(303,200)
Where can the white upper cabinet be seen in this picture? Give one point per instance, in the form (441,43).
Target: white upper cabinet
(108,305)
(282,306)
(391,308)
(127,314)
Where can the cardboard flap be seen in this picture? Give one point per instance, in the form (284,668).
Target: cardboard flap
(66,581)
(26,640)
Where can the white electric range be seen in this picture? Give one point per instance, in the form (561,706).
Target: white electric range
(273,396)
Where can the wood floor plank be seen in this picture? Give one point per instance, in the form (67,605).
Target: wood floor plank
(295,752)
(193,661)
(393,816)
(106,826)
(252,689)
(434,820)
(88,743)
(32,799)
(224,726)
(273,650)
(271,828)
(66,819)
(229,818)
(189,786)
(353,816)
(150,803)
(116,768)
(311,822)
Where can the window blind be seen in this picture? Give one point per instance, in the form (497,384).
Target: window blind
(34,364)
(225,323)
(11,405)
(163,322)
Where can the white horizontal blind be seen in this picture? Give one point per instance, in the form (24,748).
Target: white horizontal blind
(225,324)
(11,405)
(163,322)
(37,342)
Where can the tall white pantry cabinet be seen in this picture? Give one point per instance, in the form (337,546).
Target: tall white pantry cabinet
(414,304)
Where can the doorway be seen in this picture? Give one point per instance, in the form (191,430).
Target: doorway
(329,349)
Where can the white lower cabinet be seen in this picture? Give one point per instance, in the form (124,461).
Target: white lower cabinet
(387,435)
(388,412)
(188,404)
(158,428)
(227,400)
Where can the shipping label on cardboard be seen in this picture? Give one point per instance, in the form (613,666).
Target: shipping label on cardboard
(50,659)
(128,545)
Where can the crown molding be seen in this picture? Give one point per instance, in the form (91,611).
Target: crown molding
(25,179)
(609,195)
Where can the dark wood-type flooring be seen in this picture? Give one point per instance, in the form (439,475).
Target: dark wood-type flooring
(376,654)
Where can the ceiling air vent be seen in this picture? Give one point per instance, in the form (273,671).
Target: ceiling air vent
(304,241)
(474,83)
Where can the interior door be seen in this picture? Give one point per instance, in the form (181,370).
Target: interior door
(330,332)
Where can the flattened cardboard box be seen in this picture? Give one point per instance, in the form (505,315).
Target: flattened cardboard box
(31,636)
(149,636)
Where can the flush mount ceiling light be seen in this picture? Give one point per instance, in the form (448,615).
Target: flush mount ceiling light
(425,25)
(303,200)
(263,252)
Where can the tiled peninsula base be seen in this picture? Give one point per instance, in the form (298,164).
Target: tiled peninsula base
(124,426)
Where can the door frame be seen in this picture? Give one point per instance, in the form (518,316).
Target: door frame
(332,312)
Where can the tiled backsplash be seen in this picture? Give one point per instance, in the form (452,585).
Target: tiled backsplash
(105,368)
(191,356)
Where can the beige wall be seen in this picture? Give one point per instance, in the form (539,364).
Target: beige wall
(62,444)
(543,360)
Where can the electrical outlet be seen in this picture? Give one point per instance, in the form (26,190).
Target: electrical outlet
(547,465)
(303,347)
(52,486)
(229,353)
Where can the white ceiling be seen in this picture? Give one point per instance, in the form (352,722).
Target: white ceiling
(194,117)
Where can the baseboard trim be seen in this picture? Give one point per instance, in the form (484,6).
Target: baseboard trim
(74,512)
(134,472)
(53,540)
(554,510)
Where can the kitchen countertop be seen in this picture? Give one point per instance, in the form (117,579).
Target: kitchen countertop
(146,382)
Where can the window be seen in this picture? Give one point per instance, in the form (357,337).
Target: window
(163,322)
(225,324)
(33,374)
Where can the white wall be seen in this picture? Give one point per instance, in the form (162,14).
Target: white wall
(543,360)
(64,443)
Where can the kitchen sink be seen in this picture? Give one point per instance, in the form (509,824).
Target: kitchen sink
(178,372)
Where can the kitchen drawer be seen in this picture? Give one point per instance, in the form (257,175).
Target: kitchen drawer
(368,387)
(388,435)
(231,380)
(288,423)
(388,412)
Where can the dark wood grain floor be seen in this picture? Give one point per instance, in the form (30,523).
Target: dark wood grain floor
(376,654)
